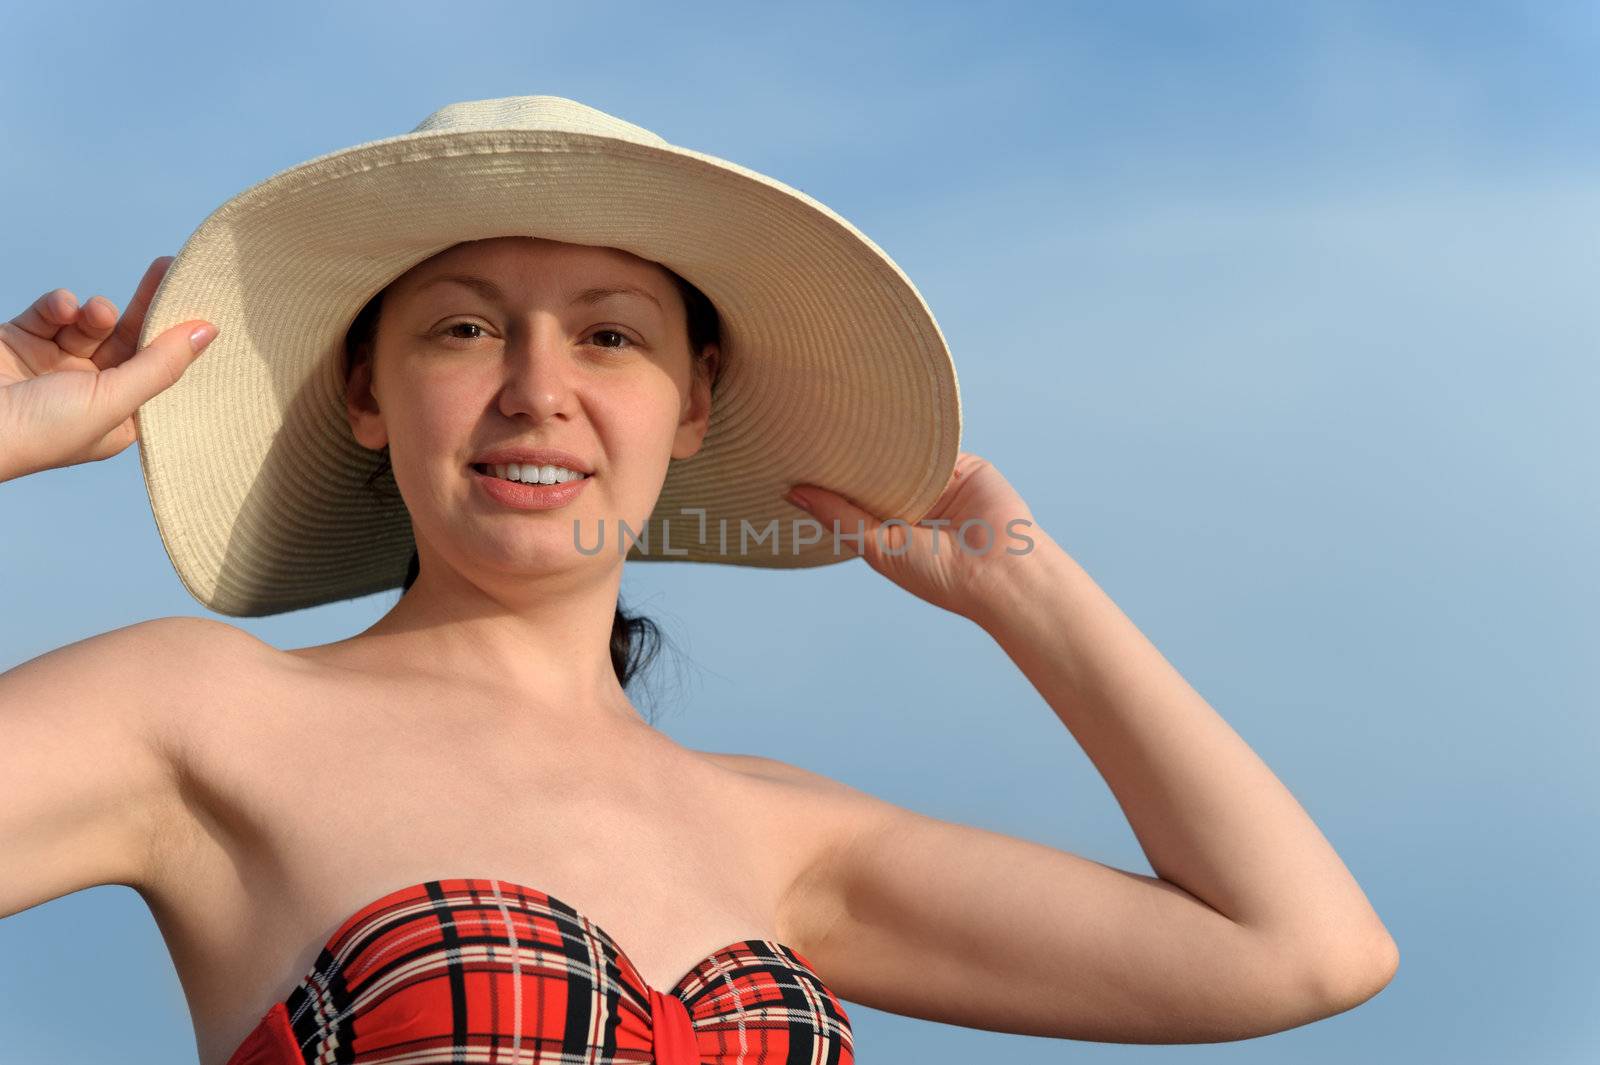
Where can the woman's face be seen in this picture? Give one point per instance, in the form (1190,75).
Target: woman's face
(529,354)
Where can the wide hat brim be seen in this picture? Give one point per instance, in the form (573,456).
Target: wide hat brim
(836,372)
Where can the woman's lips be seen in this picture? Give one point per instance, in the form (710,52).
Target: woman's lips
(519,496)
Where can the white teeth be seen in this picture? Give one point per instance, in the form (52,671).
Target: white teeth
(531,474)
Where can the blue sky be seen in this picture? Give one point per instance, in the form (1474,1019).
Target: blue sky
(1280,317)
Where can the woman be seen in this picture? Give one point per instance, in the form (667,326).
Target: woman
(453,832)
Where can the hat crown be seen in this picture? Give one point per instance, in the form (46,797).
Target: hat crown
(552,113)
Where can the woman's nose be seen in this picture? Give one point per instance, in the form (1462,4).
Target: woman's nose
(538,368)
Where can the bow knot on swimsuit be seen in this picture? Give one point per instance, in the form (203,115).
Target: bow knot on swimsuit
(483,970)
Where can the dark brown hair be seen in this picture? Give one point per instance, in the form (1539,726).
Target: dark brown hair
(635,639)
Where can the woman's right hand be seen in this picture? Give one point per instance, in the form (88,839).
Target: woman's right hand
(70,379)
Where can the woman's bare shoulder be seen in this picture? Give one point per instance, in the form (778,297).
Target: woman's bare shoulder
(753,765)
(777,771)
(197,646)
(149,657)
(165,666)
(183,629)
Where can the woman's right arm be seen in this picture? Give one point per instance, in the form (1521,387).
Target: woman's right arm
(90,738)
(88,777)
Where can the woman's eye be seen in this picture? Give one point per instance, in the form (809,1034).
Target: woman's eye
(605,338)
(463,325)
(612,333)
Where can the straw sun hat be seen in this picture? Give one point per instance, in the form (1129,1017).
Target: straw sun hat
(835,371)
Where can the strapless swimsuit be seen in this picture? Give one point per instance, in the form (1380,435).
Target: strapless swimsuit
(474,970)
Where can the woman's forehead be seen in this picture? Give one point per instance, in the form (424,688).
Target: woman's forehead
(534,257)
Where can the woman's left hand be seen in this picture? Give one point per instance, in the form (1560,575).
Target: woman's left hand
(933,559)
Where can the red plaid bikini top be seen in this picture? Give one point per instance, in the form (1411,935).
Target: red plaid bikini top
(474,969)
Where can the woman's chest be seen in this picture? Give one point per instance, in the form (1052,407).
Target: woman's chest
(300,817)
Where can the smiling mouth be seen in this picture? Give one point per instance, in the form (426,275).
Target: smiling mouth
(563,475)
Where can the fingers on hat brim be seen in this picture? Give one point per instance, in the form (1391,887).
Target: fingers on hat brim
(124,340)
(128,385)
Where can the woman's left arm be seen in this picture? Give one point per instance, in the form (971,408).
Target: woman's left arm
(1208,813)
(1210,816)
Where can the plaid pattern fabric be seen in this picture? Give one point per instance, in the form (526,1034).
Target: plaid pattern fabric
(477,970)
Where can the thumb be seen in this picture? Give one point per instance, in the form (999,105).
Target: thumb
(123,388)
(830,507)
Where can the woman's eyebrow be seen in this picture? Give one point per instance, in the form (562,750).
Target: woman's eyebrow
(599,293)
(589,296)
(481,285)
